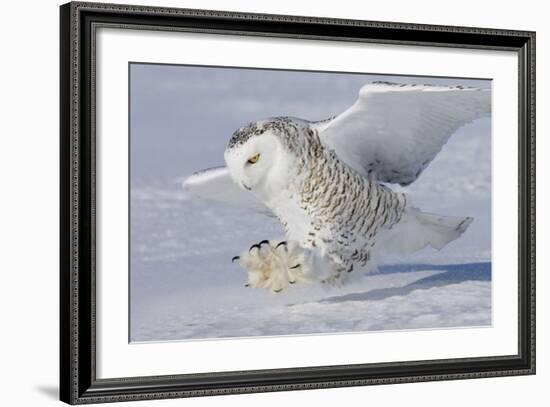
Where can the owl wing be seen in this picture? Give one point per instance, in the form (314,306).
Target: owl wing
(215,184)
(393,131)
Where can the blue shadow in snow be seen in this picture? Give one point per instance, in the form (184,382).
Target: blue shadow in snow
(451,274)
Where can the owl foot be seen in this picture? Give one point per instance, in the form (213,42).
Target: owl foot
(275,265)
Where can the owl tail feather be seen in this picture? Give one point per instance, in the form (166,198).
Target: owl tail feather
(419,229)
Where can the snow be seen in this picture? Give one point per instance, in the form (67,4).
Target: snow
(391,300)
(183,285)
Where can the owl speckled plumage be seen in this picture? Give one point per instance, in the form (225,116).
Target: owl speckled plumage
(326,182)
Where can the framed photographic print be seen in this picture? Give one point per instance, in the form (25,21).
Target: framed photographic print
(255,203)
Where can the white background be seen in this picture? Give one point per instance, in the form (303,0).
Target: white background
(29,177)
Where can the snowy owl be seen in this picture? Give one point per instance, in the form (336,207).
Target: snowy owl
(327,182)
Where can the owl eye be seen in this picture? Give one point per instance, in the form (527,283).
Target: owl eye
(254,159)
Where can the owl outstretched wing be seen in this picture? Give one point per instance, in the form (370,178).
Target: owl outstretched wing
(215,184)
(393,131)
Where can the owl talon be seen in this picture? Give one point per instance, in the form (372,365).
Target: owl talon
(275,269)
(235,258)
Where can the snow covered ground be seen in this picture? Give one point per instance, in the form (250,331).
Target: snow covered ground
(410,297)
(184,285)
(182,282)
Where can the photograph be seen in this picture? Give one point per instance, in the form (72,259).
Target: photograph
(269,202)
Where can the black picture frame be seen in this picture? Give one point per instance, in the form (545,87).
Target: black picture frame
(78,381)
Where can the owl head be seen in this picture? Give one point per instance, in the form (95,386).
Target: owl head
(260,156)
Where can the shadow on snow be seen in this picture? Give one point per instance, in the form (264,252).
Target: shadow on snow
(451,274)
